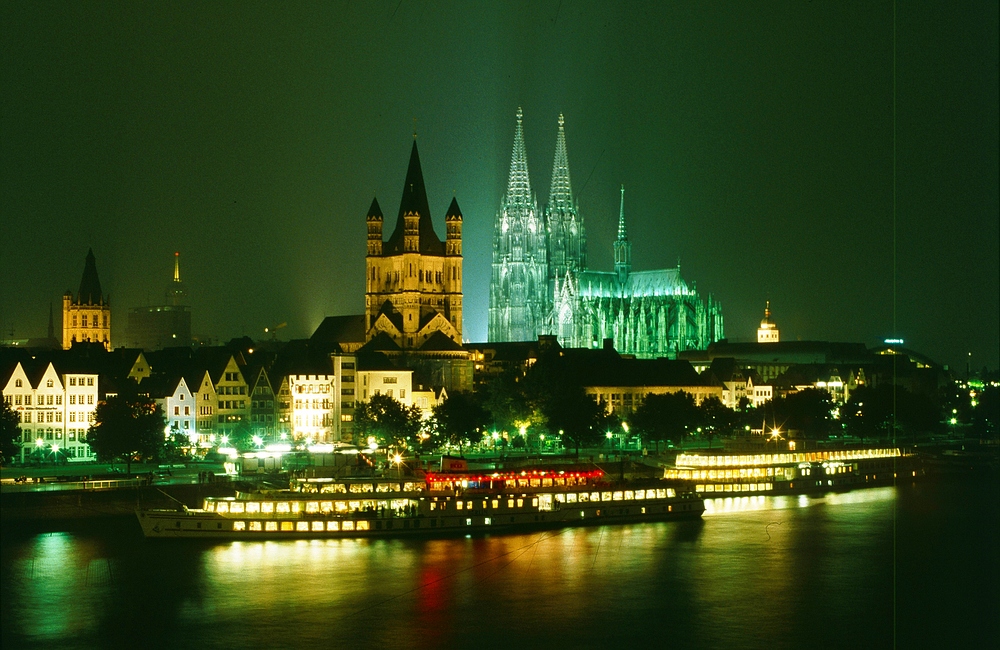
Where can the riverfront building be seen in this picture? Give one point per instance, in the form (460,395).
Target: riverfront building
(541,283)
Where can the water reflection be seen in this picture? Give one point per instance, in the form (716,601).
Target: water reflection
(774,572)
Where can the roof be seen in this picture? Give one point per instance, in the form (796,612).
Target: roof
(414,201)
(605,284)
(90,284)
(375,211)
(454,212)
(440,342)
(335,330)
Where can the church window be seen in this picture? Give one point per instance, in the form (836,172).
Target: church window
(83,320)
(74,320)
(411,270)
(105,320)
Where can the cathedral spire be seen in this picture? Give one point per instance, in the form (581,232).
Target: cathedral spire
(561,191)
(518,185)
(623,249)
(622,233)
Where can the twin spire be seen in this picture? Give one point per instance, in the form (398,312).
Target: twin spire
(518,185)
(561,192)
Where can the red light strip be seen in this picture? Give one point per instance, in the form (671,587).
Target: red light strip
(433,477)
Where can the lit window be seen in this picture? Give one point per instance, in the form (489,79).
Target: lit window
(256,526)
(333,525)
(271,526)
(317,526)
(348,525)
(239,525)
(286,526)
(302,526)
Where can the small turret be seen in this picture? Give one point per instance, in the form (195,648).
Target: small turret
(453,229)
(374,229)
(768,330)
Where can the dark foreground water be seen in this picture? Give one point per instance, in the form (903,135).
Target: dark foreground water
(913,566)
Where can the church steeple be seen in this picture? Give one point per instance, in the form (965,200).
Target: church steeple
(414,229)
(90,284)
(561,190)
(518,184)
(567,240)
(623,249)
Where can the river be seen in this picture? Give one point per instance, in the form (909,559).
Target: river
(908,566)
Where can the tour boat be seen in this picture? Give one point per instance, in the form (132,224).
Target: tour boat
(438,503)
(784,472)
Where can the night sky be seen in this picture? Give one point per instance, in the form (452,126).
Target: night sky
(754,140)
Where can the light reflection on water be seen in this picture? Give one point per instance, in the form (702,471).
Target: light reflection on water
(754,572)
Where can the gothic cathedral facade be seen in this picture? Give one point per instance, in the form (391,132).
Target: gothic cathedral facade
(541,284)
(413,286)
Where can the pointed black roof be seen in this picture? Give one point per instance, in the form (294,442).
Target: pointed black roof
(375,212)
(90,285)
(415,200)
(454,212)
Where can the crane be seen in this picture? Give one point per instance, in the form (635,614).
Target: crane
(273,331)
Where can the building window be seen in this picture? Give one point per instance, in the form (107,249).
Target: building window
(72,381)
(48,384)
(402,393)
(90,381)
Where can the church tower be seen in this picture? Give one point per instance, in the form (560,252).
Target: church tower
(768,330)
(88,316)
(413,281)
(567,239)
(520,291)
(623,249)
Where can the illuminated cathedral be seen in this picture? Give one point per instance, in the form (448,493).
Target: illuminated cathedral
(540,282)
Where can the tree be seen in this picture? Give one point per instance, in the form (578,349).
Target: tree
(388,421)
(572,413)
(665,417)
(807,411)
(504,397)
(127,428)
(10,433)
(715,418)
(461,418)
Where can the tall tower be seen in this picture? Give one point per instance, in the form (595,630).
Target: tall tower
(414,280)
(623,249)
(88,316)
(176,295)
(567,239)
(520,296)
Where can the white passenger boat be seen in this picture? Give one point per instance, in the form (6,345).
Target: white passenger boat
(436,504)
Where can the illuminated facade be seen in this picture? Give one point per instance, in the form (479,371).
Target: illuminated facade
(55,409)
(87,317)
(768,330)
(648,314)
(413,285)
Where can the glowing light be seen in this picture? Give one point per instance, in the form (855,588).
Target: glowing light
(397,459)
(228,451)
(284,436)
(258,441)
(39,443)
(225,440)
(278,447)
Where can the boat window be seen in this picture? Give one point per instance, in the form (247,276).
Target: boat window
(496,504)
(287,526)
(605,496)
(543,501)
(571,497)
(640,494)
(267,506)
(522,482)
(317,525)
(510,503)
(617,496)
(546,482)
(459,505)
(520,503)
(302,526)
(284,507)
(534,502)
(584,497)
(560,481)
(561,498)
(256,526)
(296,506)
(253,506)
(595,496)
(209,505)
(363,525)
(671,492)
(348,525)
(312,507)
(468,505)
(510,482)
(485,505)
(661,494)
(629,495)
(333,525)
(354,506)
(239,525)
(222,507)
(340,506)
(235,507)
(570,480)
(535,482)
(271,525)
(326,506)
